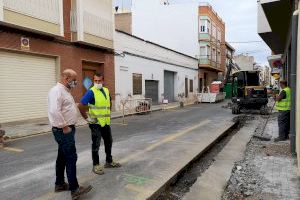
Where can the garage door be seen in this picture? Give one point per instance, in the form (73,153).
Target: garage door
(151,91)
(25,81)
(169,85)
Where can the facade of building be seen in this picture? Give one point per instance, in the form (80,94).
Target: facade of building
(282,34)
(267,76)
(230,51)
(147,70)
(39,40)
(245,62)
(199,26)
(212,60)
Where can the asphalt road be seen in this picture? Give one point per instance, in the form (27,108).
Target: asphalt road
(34,152)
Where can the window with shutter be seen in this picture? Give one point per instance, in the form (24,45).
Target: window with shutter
(191,85)
(137,86)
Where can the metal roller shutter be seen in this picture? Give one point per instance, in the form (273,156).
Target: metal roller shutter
(151,91)
(169,85)
(24,84)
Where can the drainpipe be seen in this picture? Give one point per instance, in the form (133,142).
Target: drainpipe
(298,105)
(293,81)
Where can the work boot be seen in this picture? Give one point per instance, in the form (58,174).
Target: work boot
(61,188)
(278,139)
(80,191)
(98,169)
(113,164)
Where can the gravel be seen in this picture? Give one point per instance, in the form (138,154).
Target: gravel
(247,180)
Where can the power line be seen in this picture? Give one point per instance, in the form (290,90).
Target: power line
(245,42)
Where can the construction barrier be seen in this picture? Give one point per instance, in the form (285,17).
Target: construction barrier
(136,106)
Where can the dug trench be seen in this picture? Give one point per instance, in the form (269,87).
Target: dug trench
(180,185)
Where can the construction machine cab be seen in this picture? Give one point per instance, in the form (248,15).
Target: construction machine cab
(248,93)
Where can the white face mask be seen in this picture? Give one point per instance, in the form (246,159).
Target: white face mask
(72,84)
(98,85)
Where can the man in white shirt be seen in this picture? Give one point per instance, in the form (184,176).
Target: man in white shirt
(62,112)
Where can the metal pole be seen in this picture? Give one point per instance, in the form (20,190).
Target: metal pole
(123,105)
(293,81)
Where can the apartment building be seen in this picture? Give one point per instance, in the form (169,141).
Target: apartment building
(212,61)
(39,39)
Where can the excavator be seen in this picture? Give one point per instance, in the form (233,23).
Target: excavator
(247,92)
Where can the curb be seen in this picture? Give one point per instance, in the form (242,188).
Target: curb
(173,179)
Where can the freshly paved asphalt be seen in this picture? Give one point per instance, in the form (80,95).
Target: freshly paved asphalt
(39,153)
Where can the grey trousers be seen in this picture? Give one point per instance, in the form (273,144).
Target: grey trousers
(284,124)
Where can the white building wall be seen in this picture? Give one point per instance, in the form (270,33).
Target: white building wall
(172,26)
(150,69)
(244,62)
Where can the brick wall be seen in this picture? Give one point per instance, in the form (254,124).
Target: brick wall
(69,54)
(67,18)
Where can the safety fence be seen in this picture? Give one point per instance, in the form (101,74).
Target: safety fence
(135,106)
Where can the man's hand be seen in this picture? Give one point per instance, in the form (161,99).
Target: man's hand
(89,120)
(83,109)
(67,130)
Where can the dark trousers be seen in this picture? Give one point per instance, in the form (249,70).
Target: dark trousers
(66,157)
(284,124)
(98,132)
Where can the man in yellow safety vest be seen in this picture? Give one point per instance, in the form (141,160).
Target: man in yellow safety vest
(283,105)
(98,101)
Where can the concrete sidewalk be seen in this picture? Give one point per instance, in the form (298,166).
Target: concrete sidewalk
(210,185)
(151,159)
(40,126)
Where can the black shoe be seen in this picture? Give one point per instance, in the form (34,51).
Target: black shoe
(61,188)
(80,191)
(279,139)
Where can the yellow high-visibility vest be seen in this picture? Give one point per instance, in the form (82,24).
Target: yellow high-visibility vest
(285,104)
(101,110)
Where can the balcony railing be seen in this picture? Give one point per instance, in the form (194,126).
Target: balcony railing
(93,25)
(98,26)
(47,10)
(204,61)
(207,62)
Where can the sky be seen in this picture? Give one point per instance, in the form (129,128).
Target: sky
(240,17)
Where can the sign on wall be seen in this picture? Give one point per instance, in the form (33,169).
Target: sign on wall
(25,44)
